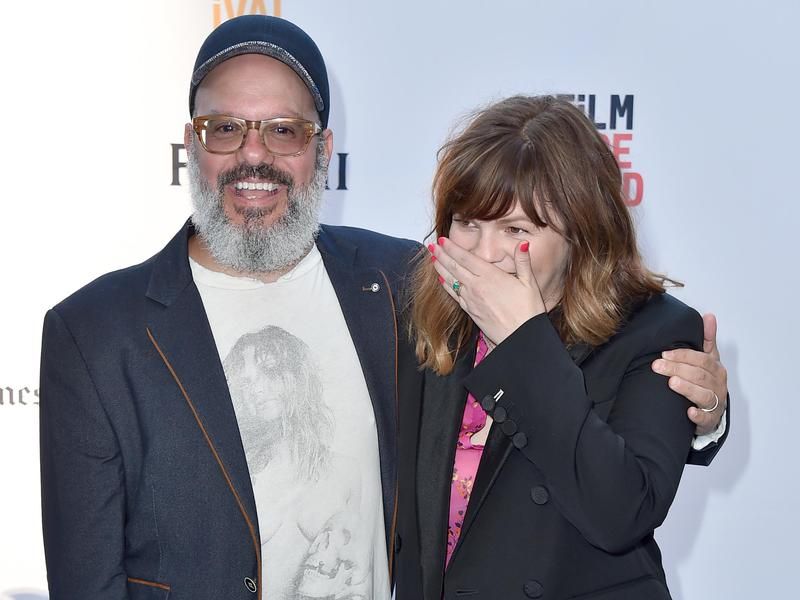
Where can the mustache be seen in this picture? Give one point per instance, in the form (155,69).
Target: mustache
(260,171)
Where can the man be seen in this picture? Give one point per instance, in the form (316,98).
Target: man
(182,399)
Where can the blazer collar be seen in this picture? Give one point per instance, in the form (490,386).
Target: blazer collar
(179,330)
(171,273)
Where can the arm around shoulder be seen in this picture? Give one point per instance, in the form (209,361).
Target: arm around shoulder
(612,454)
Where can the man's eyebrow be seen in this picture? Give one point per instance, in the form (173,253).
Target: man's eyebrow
(282,115)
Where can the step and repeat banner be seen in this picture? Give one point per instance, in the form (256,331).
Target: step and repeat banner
(697,98)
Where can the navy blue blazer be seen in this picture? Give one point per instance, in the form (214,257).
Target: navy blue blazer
(145,486)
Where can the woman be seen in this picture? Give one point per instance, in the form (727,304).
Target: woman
(535,305)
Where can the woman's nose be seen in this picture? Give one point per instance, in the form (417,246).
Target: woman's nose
(488,248)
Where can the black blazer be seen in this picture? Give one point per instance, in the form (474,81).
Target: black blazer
(581,464)
(145,486)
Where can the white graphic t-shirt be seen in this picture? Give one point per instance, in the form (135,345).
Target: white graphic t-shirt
(308,430)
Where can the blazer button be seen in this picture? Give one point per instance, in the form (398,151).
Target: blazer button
(250,585)
(487,403)
(539,495)
(520,440)
(499,414)
(509,427)
(533,589)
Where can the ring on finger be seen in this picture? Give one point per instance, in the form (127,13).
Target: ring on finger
(716,404)
(457,287)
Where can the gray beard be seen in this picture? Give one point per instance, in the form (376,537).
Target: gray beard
(254,247)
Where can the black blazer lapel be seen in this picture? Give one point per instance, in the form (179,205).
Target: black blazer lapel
(442,412)
(179,332)
(495,453)
(368,305)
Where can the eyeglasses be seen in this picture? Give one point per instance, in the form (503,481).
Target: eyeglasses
(283,136)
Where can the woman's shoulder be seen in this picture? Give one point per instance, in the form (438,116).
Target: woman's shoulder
(661,321)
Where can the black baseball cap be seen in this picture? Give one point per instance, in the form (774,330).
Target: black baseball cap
(271,36)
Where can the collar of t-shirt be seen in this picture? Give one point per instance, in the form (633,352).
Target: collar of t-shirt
(217,279)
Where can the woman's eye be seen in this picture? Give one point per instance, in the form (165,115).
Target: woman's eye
(516,230)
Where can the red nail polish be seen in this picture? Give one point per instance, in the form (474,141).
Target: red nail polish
(431,248)
(440,241)
(441,279)
(433,258)
(523,247)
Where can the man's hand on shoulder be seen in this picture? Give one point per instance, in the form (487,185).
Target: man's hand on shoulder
(699,376)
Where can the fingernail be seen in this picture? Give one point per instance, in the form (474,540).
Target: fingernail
(441,279)
(523,247)
(431,248)
(433,258)
(667,354)
(658,365)
(440,241)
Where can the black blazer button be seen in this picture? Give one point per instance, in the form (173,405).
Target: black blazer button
(533,589)
(487,403)
(539,495)
(499,414)
(509,427)
(250,585)
(520,440)
(398,541)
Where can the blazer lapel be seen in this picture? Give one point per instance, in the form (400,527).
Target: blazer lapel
(442,412)
(495,453)
(367,303)
(178,329)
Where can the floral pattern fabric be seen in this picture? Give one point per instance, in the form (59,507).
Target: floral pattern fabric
(468,457)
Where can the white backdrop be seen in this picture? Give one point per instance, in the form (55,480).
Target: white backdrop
(94,94)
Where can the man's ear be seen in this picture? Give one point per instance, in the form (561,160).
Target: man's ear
(327,137)
(187,136)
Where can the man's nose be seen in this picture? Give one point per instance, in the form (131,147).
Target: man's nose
(254,151)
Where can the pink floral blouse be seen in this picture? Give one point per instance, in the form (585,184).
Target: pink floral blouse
(468,457)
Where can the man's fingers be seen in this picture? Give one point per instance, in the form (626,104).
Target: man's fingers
(691,357)
(696,375)
(710,335)
(700,396)
(704,422)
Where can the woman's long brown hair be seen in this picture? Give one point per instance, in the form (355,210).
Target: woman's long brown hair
(544,153)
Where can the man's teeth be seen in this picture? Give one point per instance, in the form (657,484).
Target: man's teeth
(244,185)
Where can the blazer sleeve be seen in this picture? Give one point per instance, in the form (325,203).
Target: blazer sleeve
(613,479)
(83,509)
